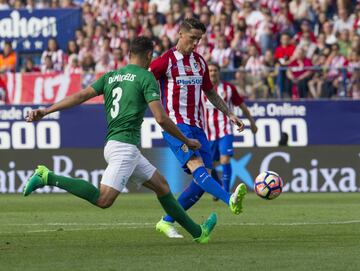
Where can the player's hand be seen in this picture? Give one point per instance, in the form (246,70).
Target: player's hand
(35,115)
(193,144)
(234,119)
(253,128)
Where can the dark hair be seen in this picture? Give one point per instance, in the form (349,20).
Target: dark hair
(192,23)
(214,64)
(141,45)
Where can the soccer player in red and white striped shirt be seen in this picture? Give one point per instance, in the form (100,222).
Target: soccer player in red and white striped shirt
(183,76)
(218,127)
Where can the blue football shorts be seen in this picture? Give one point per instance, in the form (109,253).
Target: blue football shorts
(222,146)
(182,153)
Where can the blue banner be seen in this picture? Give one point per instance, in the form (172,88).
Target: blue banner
(306,123)
(30,30)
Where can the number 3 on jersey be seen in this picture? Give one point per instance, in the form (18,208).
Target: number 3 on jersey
(116,94)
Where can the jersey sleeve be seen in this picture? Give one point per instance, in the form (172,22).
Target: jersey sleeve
(236,99)
(150,88)
(159,66)
(99,85)
(207,85)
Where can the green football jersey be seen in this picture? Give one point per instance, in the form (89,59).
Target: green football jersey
(127,91)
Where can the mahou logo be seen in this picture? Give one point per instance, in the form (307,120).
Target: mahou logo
(16,27)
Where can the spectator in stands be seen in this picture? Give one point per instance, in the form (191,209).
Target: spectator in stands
(329,33)
(153,10)
(284,19)
(118,60)
(103,65)
(305,28)
(300,10)
(166,43)
(72,49)
(316,82)
(177,10)
(67,4)
(264,31)
(88,64)
(55,54)
(269,74)
(299,73)
(8,58)
(125,47)
(321,45)
(240,45)
(47,65)
(254,70)
(79,37)
(307,45)
(4,5)
(344,42)
(30,66)
(54,4)
(170,29)
(87,49)
(283,54)
(354,70)
(222,54)
(154,24)
(344,21)
(336,74)
(74,65)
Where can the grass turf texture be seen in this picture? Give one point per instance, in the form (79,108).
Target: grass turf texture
(293,232)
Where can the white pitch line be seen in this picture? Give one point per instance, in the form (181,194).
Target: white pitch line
(134,225)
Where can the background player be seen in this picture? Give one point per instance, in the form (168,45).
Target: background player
(183,75)
(127,92)
(218,127)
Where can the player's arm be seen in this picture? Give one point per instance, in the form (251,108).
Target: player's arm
(247,114)
(67,102)
(220,104)
(169,126)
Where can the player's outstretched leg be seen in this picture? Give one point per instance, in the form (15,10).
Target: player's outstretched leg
(37,180)
(78,187)
(207,227)
(235,202)
(200,233)
(188,198)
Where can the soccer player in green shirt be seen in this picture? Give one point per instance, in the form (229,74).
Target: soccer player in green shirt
(127,93)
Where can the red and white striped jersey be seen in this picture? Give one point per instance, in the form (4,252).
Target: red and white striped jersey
(182,78)
(217,124)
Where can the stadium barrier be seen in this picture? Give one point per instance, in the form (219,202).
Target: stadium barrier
(322,155)
(37,88)
(304,169)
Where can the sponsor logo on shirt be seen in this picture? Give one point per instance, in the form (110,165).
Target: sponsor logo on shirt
(188,80)
(122,77)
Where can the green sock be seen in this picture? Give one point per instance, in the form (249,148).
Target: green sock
(174,209)
(77,187)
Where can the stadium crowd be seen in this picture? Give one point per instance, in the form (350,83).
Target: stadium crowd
(298,48)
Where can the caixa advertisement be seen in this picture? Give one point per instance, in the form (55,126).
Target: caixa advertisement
(303,169)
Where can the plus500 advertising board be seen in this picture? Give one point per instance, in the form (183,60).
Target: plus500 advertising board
(306,123)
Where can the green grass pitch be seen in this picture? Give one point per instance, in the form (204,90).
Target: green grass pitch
(293,232)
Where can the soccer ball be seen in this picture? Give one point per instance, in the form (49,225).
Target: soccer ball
(268,185)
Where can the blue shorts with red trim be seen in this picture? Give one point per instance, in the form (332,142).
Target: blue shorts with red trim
(182,153)
(222,146)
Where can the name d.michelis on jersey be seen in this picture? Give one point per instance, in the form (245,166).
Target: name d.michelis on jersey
(122,77)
